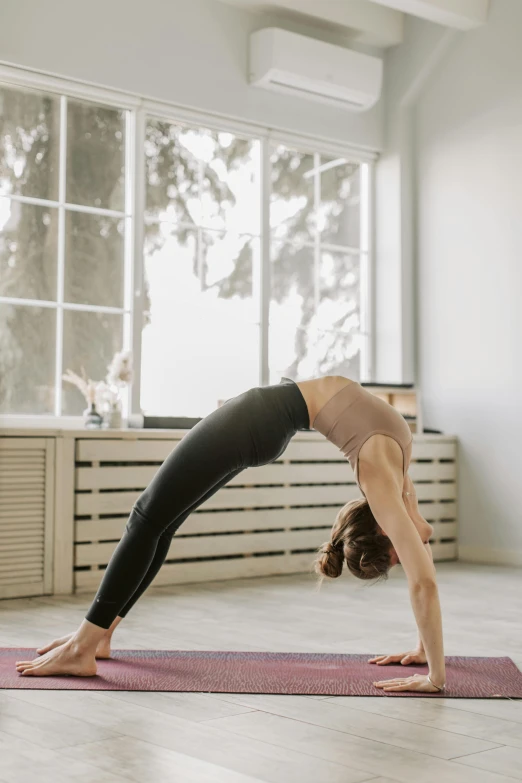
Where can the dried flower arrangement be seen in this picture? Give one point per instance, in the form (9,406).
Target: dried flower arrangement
(104,395)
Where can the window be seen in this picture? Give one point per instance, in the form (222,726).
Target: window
(318,254)
(203,267)
(201,262)
(64,227)
(250,259)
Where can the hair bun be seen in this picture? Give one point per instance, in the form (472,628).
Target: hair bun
(330,560)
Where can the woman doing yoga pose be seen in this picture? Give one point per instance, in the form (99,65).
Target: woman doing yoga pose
(370,535)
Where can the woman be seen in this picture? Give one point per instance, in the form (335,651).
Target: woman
(253,429)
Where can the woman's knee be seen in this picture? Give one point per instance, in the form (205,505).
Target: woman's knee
(139,522)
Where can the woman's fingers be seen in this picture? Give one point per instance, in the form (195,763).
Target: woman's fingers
(384,659)
(405,686)
(418,682)
(396,681)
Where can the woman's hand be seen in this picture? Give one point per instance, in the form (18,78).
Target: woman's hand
(413,656)
(419,682)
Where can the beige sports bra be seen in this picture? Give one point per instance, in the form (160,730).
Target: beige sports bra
(353,415)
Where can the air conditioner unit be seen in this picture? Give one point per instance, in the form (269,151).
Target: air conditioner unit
(304,67)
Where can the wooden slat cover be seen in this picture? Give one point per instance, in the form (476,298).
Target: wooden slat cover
(123,450)
(216,522)
(254,497)
(215,546)
(316,448)
(242,497)
(208,570)
(111,529)
(128,476)
(24,505)
(310,482)
(132,476)
(445,551)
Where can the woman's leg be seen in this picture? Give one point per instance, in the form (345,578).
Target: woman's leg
(198,466)
(219,445)
(103,649)
(164,545)
(248,430)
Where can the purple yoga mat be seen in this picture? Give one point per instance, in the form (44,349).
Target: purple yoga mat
(266,672)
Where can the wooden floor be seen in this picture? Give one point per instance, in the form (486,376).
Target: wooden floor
(60,736)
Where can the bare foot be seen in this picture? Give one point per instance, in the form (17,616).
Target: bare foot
(65,659)
(103,649)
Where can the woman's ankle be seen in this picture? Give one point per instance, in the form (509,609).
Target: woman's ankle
(113,627)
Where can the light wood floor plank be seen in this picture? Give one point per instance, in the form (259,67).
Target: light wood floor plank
(23,762)
(505,761)
(401,734)
(190,706)
(43,727)
(247,756)
(374,756)
(142,762)
(431,713)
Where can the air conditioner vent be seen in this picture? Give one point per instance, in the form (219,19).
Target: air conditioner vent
(304,67)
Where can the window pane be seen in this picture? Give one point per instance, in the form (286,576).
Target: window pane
(292,308)
(339,294)
(94,259)
(172,174)
(230,192)
(312,354)
(29,143)
(340,211)
(208,178)
(27,359)
(95,156)
(28,250)
(314,325)
(292,284)
(292,214)
(201,340)
(335,343)
(90,340)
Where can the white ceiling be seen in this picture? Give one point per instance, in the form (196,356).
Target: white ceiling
(374,22)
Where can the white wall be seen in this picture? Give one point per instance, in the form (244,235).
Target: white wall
(192,53)
(468,141)
(406,69)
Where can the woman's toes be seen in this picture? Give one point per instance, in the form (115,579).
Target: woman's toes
(62,660)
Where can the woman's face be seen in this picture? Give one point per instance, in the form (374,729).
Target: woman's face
(425,531)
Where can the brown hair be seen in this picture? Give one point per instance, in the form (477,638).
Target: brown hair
(356,538)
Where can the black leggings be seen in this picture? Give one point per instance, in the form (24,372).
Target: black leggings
(251,429)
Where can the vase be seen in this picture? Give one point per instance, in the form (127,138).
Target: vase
(92,419)
(114,419)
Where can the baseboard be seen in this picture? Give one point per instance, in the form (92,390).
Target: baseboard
(471,554)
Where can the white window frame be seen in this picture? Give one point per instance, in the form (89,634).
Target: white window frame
(139,109)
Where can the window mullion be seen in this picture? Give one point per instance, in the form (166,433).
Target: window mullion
(265,268)
(368,312)
(137,198)
(128,244)
(199,240)
(317,236)
(61,256)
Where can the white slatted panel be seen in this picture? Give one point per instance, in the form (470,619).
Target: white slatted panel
(267,520)
(26,501)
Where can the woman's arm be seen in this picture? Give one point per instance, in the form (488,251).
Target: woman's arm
(384,496)
(412,506)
